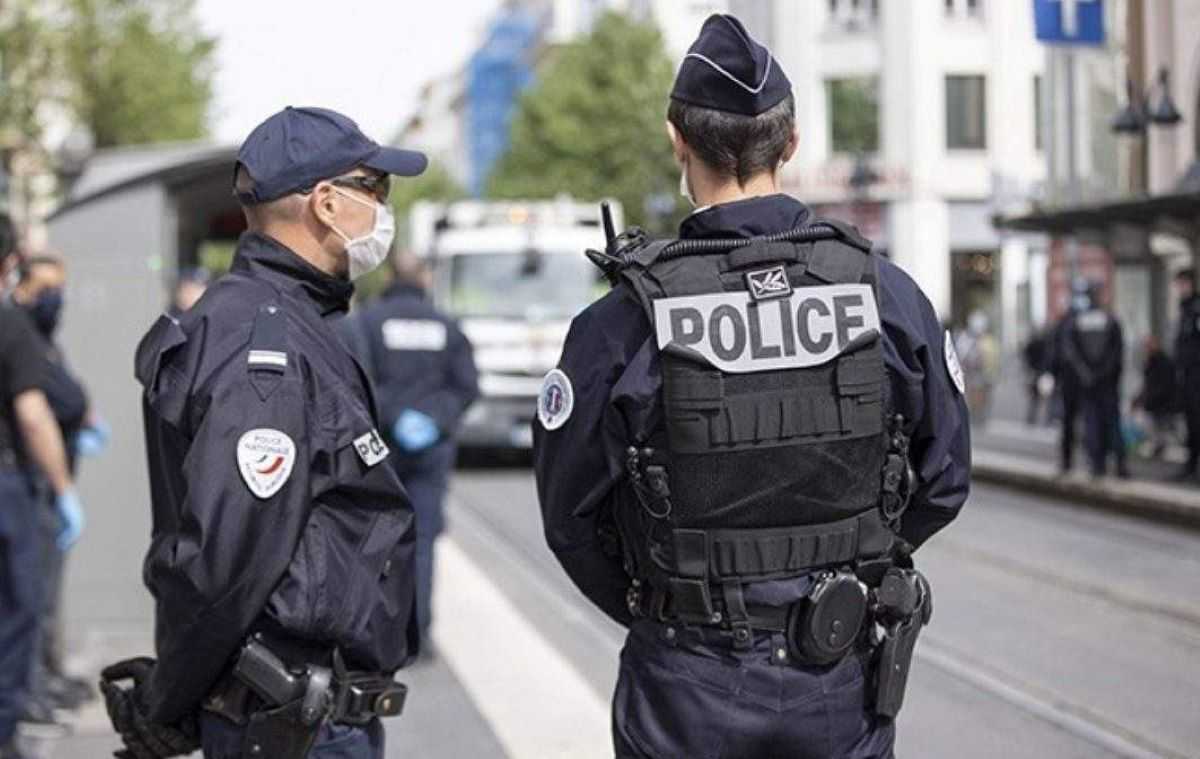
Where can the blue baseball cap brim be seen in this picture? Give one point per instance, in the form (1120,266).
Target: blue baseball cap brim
(402,163)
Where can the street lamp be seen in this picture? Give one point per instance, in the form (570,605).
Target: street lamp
(1137,113)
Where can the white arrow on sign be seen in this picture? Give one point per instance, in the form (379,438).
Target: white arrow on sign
(1070,16)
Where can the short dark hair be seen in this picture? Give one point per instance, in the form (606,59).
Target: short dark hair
(1186,275)
(27,265)
(733,144)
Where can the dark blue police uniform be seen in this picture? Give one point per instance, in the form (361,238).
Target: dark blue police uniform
(1187,361)
(1091,351)
(274,510)
(22,368)
(420,361)
(684,690)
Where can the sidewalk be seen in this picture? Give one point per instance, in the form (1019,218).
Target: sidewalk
(1016,455)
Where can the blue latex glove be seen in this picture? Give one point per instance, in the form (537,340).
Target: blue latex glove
(93,440)
(70,511)
(414,431)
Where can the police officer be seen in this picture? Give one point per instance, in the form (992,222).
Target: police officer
(424,373)
(1091,348)
(1187,361)
(281,559)
(40,294)
(723,453)
(31,451)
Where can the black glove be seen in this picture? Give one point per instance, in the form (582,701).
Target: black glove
(143,739)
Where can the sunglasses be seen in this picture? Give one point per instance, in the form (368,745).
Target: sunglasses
(377,185)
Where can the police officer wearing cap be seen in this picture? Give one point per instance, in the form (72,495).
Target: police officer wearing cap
(424,371)
(1187,361)
(743,443)
(281,559)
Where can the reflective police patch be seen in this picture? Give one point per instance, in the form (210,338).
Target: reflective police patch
(767,284)
(1092,321)
(371,448)
(414,335)
(556,400)
(953,367)
(265,458)
(737,334)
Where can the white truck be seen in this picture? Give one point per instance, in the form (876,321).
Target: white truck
(514,274)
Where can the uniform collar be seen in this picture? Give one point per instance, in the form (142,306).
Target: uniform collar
(265,257)
(752,217)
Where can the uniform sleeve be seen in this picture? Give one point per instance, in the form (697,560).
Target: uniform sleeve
(23,353)
(925,394)
(461,388)
(574,481)
(248,498)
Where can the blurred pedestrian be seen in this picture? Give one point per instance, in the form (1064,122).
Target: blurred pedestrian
(31,453)
(1039,382)
(1090,350)
(1187,361)
(1157,395)
(40,293)
(980,357)
(424,372)
(189,287)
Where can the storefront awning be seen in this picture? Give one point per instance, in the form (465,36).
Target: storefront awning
(1177,213)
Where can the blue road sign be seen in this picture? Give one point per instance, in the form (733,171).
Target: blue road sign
(1069,22)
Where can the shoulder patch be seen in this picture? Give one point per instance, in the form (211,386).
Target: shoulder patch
(371,448)
(556,401)
(265,458)
(953,366)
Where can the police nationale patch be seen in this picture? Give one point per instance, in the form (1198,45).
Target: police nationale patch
(556,401)
(265,458)
(768,283)
(371,448)
(953,367)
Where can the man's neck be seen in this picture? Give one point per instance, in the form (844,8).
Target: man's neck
(710,193)
(304,246)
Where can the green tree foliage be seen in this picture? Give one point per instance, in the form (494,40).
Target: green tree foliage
(128,71)
(435,184)
(592,126)
(140,70)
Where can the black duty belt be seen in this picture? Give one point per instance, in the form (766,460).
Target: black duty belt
(261,680)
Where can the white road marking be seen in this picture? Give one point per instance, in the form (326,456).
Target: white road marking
(537,704)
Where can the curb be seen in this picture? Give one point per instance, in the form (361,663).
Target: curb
(1140,498)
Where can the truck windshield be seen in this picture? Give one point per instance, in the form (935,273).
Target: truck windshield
(519,285)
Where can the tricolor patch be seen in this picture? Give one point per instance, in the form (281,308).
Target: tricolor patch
(265,458)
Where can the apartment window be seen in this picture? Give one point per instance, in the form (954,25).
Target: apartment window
(853,115)
(853,14)
(966,113)
(1039,126)
(964,8)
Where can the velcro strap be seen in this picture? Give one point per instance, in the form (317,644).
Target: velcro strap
(762,253)
(836,262)
(778,551)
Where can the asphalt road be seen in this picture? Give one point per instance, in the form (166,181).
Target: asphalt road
(1058,632)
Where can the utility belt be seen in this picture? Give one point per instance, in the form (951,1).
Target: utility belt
(283,706)
(840,613)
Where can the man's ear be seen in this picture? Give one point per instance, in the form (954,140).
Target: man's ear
(323,202)
(792,146)
(678,146)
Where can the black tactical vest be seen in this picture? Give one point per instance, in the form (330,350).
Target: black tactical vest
(774,402)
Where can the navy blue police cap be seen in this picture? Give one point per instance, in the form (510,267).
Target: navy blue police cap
(298,147)
(726,70)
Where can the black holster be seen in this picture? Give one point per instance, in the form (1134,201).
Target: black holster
(904,606)
(280,733)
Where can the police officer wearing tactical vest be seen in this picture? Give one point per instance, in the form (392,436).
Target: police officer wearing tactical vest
(743,443)
(281,559)
(1187,361)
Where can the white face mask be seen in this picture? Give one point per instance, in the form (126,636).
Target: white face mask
(369,251)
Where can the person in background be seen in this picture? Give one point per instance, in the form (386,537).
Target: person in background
(40,293)
(1090,354)
(424,373)
(189,286)
(1187,361)
(1157,396)
(1038,381)
(980,357)
(31,452)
